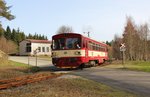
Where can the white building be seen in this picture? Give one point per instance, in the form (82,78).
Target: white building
(30,46)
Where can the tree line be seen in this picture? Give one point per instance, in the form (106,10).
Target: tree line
(13,37)
(17,36)
(5,13)
(136,39)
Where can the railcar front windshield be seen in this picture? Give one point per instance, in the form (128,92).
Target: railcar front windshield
(66,43)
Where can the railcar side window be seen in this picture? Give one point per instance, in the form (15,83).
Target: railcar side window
(90,45)
(97,47)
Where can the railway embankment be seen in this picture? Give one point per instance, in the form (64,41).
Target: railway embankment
(19,79)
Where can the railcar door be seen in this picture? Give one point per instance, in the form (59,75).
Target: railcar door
(86,50)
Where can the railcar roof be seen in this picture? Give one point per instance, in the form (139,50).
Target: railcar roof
(79,35)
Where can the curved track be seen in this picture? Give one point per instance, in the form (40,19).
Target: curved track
(23,80)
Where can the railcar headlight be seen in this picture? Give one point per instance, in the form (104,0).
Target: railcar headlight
(77,53)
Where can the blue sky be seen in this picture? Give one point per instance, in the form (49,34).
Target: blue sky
(103,19)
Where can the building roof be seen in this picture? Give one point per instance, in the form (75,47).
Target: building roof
(38,41)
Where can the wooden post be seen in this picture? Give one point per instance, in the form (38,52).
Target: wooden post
(123,59)
(36,59)
(36,51)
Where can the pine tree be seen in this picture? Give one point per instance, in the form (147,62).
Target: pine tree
(43,37)
(108,43)
(7,33)
(22,36)
(46,38)
(40,37)
(14,36)
(29,36)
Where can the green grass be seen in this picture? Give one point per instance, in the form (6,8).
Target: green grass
(95,89)
(12,68)
(132,65)
(18,64)
(138,65)
(10,64)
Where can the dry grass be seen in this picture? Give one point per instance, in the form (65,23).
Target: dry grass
(10,73)
(78,87)
(11,69)
(3,58)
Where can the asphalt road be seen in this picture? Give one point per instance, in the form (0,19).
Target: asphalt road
(41,62)
(131,81)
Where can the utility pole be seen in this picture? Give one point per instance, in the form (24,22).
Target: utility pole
(87,33)
(28,59)
(28,62)
(123,58)
(36,59)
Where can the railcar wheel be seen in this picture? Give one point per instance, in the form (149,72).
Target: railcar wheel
(81,66)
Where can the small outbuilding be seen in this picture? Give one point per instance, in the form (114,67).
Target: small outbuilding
(32,47)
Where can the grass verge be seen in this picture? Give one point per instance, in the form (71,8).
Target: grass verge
(11,69)
(9,64)
(132,65)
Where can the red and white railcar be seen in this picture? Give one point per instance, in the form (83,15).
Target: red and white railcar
(72,50)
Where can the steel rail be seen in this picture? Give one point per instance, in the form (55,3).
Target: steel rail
(23,80)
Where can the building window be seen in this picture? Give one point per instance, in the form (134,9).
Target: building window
(47,49)
(43,49)
(28,47)
(39,48)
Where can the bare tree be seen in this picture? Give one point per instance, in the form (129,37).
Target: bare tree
(64,29)
(130,38)
(136,39)
(115,47)
(7,46)
(143,33)
(110,51)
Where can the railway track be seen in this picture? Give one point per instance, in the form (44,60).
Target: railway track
(23,80)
